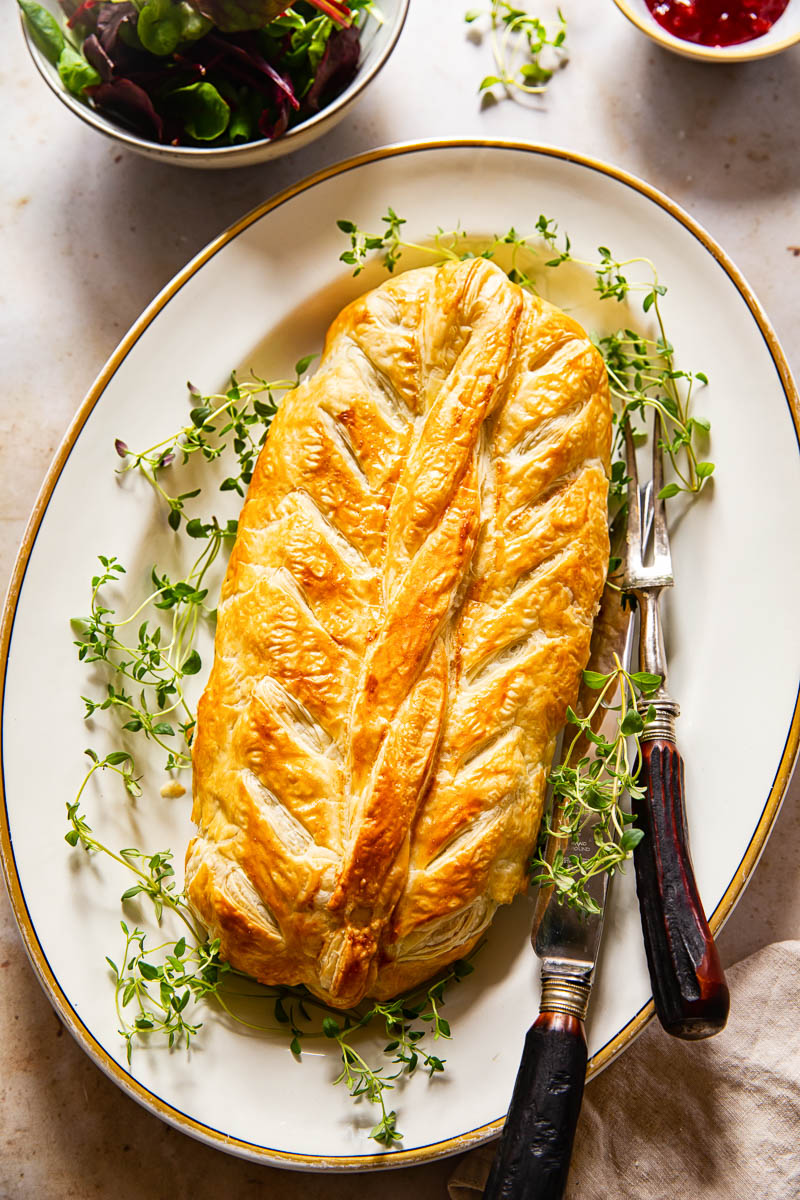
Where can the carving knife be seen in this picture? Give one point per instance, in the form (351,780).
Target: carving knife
(532,1161)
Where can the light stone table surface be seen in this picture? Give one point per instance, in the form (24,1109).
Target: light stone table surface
(90,233)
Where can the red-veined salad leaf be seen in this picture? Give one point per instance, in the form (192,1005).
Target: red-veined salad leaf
(132,105)
(94,53)
(337,67)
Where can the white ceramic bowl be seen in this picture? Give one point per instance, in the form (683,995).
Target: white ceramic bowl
(377,43)
(784,33)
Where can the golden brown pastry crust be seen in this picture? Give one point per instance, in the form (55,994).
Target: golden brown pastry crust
(404,620)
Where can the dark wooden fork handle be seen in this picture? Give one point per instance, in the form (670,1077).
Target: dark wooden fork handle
(533,1157)
(689,989)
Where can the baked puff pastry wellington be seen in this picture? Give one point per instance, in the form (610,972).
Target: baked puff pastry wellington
(404,620)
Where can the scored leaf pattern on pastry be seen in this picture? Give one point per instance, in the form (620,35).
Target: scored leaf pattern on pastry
(403,622)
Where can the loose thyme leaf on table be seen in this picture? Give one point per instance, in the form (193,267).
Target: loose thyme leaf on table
(526,49)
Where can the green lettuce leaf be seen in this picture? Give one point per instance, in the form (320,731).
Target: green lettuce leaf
(44,29)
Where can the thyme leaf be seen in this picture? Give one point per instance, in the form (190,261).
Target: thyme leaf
(146,664)
(403,1021)
(158,993)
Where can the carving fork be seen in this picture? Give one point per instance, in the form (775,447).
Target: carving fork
(689,989)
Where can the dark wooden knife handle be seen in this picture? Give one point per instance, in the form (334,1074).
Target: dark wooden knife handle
(533,1157)
(689,989)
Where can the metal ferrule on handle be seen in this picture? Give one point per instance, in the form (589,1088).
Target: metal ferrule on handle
(652,658)
(661,726)
(565,994)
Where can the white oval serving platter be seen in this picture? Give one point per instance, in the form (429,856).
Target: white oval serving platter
(261,296)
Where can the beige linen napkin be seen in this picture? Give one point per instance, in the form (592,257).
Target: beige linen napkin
(711,1120)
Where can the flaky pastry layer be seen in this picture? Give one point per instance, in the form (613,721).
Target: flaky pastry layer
(404,619)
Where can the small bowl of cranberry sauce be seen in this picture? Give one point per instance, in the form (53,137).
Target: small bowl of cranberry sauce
(717,30)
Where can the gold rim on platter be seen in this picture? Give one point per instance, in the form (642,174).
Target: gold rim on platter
(744,869)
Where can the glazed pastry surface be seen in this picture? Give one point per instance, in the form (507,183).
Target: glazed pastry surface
(404,619)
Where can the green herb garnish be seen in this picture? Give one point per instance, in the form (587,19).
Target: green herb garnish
(236,419)
(526,49)
(593,787)
(158,987)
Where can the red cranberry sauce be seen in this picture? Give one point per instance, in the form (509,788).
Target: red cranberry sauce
(717,22)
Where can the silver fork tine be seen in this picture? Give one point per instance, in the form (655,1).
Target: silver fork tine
(633,535)
(644,497)
(661,552)
(646,509)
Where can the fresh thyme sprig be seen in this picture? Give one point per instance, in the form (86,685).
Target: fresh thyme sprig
(593,787)
(156,659)
(161,991)
(642,370)
(237,418)
(157,988)
(517,35)
(401,1019)
(188,970)
(154,873)
(361,243)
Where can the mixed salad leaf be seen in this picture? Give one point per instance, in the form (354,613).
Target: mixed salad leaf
(203,72)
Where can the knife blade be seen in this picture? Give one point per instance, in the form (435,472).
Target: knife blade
(534,1153)
(566,939)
